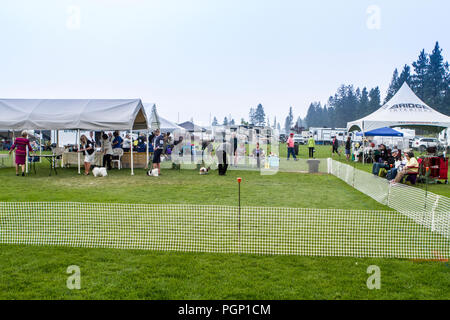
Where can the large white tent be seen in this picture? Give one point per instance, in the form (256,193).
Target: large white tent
(405,109)
(70,114)
(73,114)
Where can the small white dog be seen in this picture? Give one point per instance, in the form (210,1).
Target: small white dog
(153,172)
(204,170)
(99,172)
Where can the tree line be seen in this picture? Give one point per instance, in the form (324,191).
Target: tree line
(429,78)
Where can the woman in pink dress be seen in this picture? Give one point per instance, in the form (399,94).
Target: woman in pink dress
(21,145)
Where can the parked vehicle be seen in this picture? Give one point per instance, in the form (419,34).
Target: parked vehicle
(422,144)
(298,138)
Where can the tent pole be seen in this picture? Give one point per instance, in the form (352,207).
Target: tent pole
(13,140)
(79,147)
(131,150)
(26,160)
(364,138)
(40,145)
(146,164)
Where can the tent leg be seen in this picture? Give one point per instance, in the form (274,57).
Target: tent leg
(79,147)
(40,145)
(146,163)
(14,153)
(131,156)
(26,160)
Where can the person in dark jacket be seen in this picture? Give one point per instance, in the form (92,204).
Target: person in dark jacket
(348,146)
(387,164)
(335,146)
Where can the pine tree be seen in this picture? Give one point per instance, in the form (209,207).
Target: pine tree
(363,104)
(435,87)
(251,116)
(287,125)
(259,116)
(291,116)
(225,121)
(405,76)
(420,78)
(393,86)
(374,100)
(232,122)
(311,115)
(215,122)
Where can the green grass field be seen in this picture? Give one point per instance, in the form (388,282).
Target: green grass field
(28,272)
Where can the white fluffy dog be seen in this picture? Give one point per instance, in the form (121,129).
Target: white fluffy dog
(153,172)
(204,170)
(99,172)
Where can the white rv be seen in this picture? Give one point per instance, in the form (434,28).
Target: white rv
(325,135)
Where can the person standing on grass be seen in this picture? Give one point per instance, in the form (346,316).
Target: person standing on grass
(311,146)
(222,151)
(117,141)
(88,149)
(335,146)
(21,145)
(126,145)
(107,151)
(258,154)
(235,146)
(348,147)
(158,147)
(290,147)
(92,137)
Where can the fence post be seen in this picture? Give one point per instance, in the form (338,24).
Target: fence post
(239,217)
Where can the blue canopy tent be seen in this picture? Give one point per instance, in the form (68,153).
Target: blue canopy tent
(381,132)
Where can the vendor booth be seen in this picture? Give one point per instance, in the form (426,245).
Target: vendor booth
(73,114)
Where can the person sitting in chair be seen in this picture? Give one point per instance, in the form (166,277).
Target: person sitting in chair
(412,167)
(387,164)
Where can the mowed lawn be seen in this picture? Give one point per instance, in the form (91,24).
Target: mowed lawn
(28,272)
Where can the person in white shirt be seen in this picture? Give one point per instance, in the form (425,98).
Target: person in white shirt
(107,151)
(126,143)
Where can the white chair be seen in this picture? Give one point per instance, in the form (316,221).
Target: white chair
(117,157)
(58,152)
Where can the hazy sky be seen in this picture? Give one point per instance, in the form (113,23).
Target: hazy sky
(198,57)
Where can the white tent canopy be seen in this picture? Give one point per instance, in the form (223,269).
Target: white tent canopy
(70,114)
(163,124)
(405,109)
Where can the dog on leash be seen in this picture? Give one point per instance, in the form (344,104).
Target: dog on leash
(99,172)
(152,172)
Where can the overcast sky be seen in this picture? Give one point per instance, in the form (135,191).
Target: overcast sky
(194,58)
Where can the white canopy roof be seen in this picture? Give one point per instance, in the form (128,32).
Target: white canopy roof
(65,114)
(404,109)
(156,120)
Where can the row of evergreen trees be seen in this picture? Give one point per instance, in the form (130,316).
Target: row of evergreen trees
(430,80)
